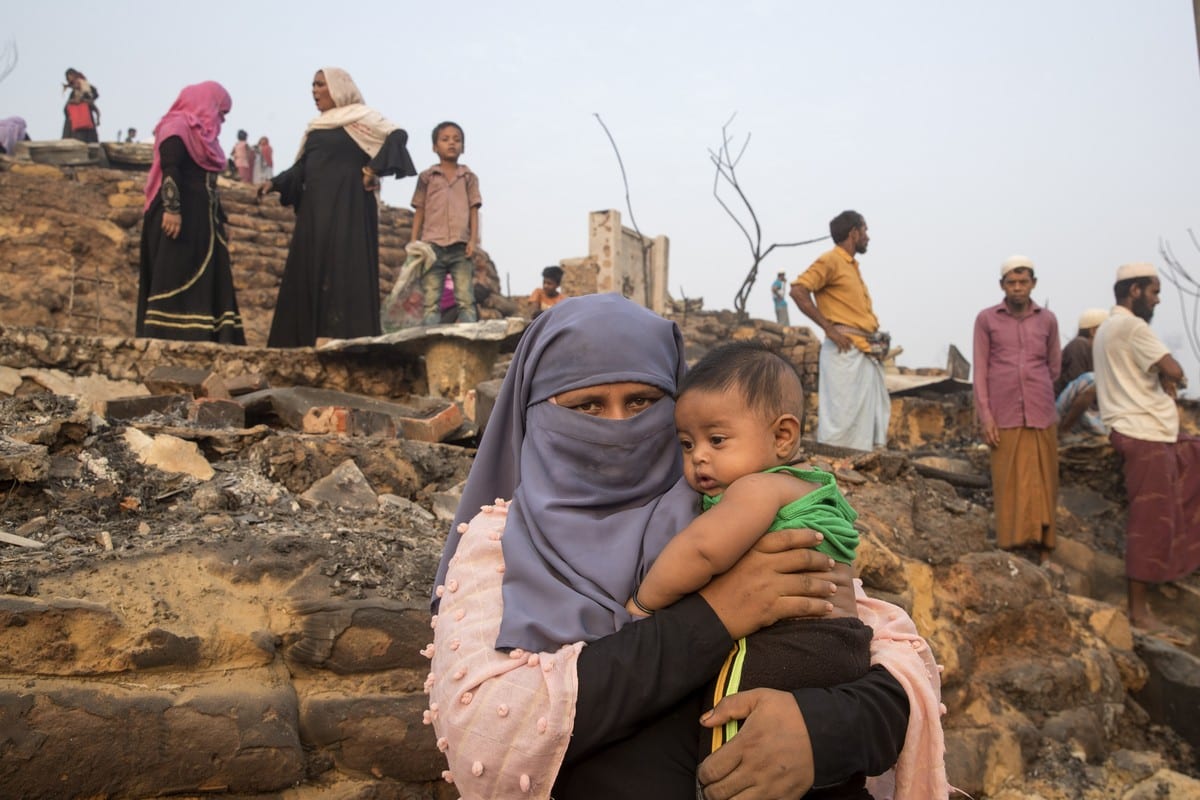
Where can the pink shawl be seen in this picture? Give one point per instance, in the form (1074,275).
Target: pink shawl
(195,118)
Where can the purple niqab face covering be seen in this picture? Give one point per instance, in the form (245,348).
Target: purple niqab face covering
(594,500)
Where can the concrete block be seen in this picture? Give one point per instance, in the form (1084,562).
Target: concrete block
(454,366)
(427,419)
(171,405)
(244,384)
(216,413)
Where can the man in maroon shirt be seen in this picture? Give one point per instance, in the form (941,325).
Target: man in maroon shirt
(1017,359)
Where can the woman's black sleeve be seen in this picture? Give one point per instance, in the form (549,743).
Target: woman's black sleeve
(856,728)
(643,670)
(172,153)
(393,158)
(290,184)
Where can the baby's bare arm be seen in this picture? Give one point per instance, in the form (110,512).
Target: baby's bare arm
(715,540)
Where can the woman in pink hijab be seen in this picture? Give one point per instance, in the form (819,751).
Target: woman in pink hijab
(186,288)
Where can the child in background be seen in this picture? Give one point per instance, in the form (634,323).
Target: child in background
(243,158)
(264,161)
(738,420)
(548,294)
(446,203)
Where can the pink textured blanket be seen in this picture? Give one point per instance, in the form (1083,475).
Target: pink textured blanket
(502,719)
(921,771)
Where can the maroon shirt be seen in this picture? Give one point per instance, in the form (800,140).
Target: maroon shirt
(1016,363)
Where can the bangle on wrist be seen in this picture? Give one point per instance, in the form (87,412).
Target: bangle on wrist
(638,605)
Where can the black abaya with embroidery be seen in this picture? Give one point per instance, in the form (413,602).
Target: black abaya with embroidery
(330,285)
(186,287)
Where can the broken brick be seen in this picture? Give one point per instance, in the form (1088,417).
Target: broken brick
(175,380)
(350,421)
(433,422)
(214,386)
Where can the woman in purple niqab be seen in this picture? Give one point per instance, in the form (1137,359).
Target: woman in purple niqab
(593,499)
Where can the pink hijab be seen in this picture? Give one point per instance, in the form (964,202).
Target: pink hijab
(195,118)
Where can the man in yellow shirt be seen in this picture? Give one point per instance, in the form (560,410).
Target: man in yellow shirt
(854,406)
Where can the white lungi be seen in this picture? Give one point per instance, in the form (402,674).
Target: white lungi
(854,406)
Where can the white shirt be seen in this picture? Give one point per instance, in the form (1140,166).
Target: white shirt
(1132,401)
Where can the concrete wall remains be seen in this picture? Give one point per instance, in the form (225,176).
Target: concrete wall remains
(620,260)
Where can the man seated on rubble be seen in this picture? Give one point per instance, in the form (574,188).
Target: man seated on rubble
(1075,389)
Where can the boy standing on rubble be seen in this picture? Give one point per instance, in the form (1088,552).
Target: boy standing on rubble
(446,203)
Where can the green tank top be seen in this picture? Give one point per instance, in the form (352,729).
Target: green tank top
(824,510)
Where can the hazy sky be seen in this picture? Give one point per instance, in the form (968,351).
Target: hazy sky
(964,131)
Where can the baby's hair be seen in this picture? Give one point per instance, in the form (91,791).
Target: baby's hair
(441,126)
(769,383)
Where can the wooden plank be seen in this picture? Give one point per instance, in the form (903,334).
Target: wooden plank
(20,541)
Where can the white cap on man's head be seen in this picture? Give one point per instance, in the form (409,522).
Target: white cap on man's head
(1015,262)
(1092,318)
(1136,269)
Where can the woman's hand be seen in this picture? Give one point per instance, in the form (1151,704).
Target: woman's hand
(781,577)
(370,179)
(172,224)
(265,188)
(770,757)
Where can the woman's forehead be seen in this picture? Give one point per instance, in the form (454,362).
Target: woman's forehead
(621,389)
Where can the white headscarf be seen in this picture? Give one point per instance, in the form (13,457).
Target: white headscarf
(366,126)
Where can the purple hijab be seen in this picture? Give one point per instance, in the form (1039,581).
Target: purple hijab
(196,118)
(594,500)
(12,130)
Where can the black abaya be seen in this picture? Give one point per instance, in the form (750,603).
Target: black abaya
(330,285)
(186,284)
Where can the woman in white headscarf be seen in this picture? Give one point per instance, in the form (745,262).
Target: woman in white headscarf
(330,285)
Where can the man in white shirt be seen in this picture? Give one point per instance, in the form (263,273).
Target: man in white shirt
(1136,382)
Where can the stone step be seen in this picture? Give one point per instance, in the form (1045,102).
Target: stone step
(237,734)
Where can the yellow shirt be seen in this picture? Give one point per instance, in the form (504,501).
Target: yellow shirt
(841,296)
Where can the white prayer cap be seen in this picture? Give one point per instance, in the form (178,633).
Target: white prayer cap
(1015,262)
(1092,318)
(1136,269)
